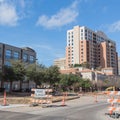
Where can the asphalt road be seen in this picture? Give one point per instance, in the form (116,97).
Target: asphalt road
(84,112)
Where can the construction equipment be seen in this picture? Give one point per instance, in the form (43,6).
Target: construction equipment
(112,88)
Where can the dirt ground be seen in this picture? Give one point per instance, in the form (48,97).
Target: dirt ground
(17,99)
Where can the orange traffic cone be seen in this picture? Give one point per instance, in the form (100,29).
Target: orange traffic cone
(63,101)
(110,112)
(96,99)
(4,101)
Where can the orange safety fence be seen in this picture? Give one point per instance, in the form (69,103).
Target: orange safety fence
(114,100)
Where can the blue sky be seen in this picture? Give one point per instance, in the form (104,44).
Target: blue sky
(42,24)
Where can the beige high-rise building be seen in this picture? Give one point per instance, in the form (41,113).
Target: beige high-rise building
(61,63)
(93,47)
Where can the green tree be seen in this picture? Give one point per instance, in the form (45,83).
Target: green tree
(64,78)
(36,73)
(52,75)
(77,65)
(86,85)
(8,75)
(70,82)
(19,70)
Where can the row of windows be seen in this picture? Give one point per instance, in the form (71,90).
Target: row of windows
(8,54)
(71,57)
(70,33)
(70,44)
(70,54)
(70,37)
(16,56)
(70,40)
(87,34)
(70,51)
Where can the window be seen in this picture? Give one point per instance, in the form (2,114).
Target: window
(7,63)
(31,59)
(25,57)
(81,38)
(0,52)
(81,52)
(8,54)
(16,55)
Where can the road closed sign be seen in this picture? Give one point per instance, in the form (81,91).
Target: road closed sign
(40,93)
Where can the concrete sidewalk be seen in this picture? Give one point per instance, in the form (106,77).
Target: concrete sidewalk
(12,106)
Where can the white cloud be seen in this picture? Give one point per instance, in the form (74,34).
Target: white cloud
(61,18)
(1,1)
(11,11)
(115,27)
(8,15)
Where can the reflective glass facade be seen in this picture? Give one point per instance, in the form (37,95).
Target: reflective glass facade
(8,54)
(16,55)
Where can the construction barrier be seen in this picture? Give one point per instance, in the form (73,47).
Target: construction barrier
(41,96)
(114,100)
(112,93)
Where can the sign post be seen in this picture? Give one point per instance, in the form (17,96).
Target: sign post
(39,93)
